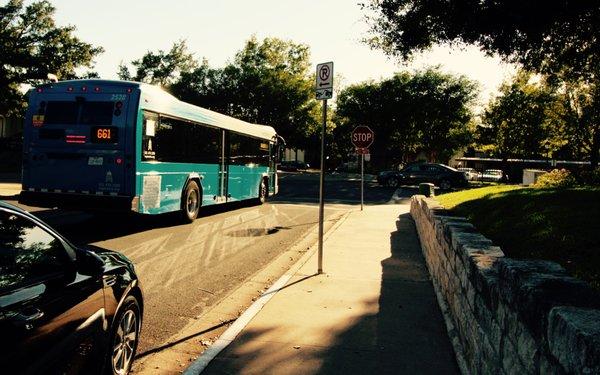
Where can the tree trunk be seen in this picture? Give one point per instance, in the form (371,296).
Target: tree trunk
(595,148)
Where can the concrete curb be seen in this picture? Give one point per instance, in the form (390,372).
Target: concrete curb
(231,333)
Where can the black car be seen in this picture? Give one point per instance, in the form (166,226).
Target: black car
(63,309)
(439,174)
(293,166)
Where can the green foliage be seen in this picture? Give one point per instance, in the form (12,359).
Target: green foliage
(543,37)
(559,39)
(556,178)
(268,82)
(577,120)
(33,46)
(551,224)
(549,119)
(427,111)
(590,177)
(517,122)
(160,68)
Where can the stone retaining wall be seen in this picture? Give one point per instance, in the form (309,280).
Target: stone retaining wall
(510,316)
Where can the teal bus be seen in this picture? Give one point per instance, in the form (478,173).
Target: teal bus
(102,144)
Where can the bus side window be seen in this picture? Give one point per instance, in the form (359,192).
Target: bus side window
(149,145)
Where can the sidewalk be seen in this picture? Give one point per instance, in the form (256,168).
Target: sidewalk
(10,185)
(374,311)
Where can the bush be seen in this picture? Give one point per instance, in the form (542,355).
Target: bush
(590,177)
(556,178)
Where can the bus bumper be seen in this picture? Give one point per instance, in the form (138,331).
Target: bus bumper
(76,201)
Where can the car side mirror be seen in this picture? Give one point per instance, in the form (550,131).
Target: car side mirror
(89,263)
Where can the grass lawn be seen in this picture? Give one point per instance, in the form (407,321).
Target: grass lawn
(562,225)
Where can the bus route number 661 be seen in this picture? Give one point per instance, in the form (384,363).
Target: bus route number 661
(103,133)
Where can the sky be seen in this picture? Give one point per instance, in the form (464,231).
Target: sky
(216,30)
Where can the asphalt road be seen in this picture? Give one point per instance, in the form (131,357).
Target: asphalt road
(186,269)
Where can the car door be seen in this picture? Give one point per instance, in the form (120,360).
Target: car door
(436,174)
(412,174)
(47,309)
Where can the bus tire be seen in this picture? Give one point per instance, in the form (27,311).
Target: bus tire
(263,191)
(190,202)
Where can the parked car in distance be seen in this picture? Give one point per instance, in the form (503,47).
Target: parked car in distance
(439,174)
(63,309)
(493,175)
(471,173)
(293,166)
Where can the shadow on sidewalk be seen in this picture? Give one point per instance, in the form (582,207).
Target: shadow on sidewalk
(401,332)
(407,335)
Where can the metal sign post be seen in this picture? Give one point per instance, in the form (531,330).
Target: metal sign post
(362,180)
(362,137)
(324,91)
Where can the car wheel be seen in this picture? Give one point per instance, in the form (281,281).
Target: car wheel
(263,191)
(124,337)
(445,185)
(393,182)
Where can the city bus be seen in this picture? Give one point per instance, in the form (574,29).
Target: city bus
(102,144)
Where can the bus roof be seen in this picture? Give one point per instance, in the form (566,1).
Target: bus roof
(155,99)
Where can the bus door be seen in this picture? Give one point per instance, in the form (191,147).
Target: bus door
(77,142)
(223,168)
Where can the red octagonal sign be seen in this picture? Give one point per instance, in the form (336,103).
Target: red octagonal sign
(362,136)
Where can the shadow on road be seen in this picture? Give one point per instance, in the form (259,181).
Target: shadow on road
(183,339)
(88,227)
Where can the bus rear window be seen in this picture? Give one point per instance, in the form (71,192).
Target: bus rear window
(97,113)
(79,112)
(61,113)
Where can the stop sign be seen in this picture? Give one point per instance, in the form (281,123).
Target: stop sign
(362,136)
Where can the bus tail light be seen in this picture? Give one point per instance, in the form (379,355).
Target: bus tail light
(75,138)
(119,160)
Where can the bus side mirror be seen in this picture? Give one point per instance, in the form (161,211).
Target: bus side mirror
(280,153)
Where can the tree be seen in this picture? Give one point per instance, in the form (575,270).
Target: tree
(268,82)
(427,111)
(541,35)
(557,38)
(160,68)
(577,116)
(518,123)
(32,47)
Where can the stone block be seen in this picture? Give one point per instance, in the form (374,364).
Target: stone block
(460,239)
(549,365)
(528,350)
(484,276)
(574,339)
(467,252)
(535,295)
(510,359)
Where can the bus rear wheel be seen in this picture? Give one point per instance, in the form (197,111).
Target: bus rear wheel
(263,191)
(190,202)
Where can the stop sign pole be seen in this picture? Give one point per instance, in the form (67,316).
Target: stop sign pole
(323,91)
(362,137)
